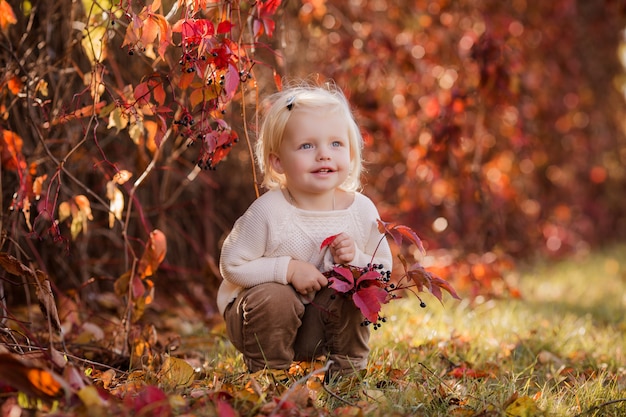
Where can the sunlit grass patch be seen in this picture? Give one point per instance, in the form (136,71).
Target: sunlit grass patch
(561,345)
(559,350)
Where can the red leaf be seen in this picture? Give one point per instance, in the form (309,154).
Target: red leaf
(342,285)
(419,276)
(150,400)
(438,282)
(368,276)
(142,93)
(328,241)
(138,289)
(224,27)
(465,372)
(268,7)
(409,234)
(231,81)
(398,232)
(369,301)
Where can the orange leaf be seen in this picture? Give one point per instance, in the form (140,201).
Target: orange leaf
(278,81)
(33,381)
(151,132)
(149,31)
(159,94)
(7,17)
(153,255)
(87,111)
(14,84)
(165,34)
(11,150)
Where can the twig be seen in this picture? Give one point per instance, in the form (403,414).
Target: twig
(337,397)
(599,406)
(451,389)
(247,136)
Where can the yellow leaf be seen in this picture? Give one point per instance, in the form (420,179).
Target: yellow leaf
(90,397)
(122,176)
(42,88)
(136,133)
(523,407)
(121,284)
(38,185)
(176,373)
(26,211)
(76,227)
(116,207)
(94,43)
(117,119)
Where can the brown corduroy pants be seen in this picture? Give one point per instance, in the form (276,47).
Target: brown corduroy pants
(271,327)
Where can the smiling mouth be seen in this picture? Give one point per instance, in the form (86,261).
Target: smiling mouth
(324,171)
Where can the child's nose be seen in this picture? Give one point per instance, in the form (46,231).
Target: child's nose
(323,154)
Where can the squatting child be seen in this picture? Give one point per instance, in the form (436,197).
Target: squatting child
(274,297)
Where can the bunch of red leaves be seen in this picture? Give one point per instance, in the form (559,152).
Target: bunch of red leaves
(371,286)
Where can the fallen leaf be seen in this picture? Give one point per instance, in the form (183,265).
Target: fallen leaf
(176,373)
(523,407)
(33,381)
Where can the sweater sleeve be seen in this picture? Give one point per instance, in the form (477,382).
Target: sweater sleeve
(243,261)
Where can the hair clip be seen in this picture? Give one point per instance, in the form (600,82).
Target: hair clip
(290,102)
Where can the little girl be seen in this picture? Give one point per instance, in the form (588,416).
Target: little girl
(275,299)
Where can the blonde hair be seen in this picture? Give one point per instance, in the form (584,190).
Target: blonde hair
(281,104)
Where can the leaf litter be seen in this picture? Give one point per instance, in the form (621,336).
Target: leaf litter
(447,361)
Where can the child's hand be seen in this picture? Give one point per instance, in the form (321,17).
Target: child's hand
(305,277)
(343,249)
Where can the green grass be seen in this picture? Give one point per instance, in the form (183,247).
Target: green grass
(561,348)
(563,345)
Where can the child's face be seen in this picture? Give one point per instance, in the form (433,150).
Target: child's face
(315,153)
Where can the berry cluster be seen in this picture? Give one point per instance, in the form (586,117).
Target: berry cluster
(359,282)
(216,139)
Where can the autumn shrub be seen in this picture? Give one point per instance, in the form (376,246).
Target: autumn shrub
(492,129)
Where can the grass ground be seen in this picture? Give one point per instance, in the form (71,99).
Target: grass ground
(560,350)
(561,347)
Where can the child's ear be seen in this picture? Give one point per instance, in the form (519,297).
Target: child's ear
(275,163)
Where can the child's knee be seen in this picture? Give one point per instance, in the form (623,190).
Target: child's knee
(273,301)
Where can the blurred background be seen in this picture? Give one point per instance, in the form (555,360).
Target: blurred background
(496,130)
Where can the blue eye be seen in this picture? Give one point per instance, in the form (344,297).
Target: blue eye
(306,146)
(337,144)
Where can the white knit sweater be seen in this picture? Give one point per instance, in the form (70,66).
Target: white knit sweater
(272,232)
